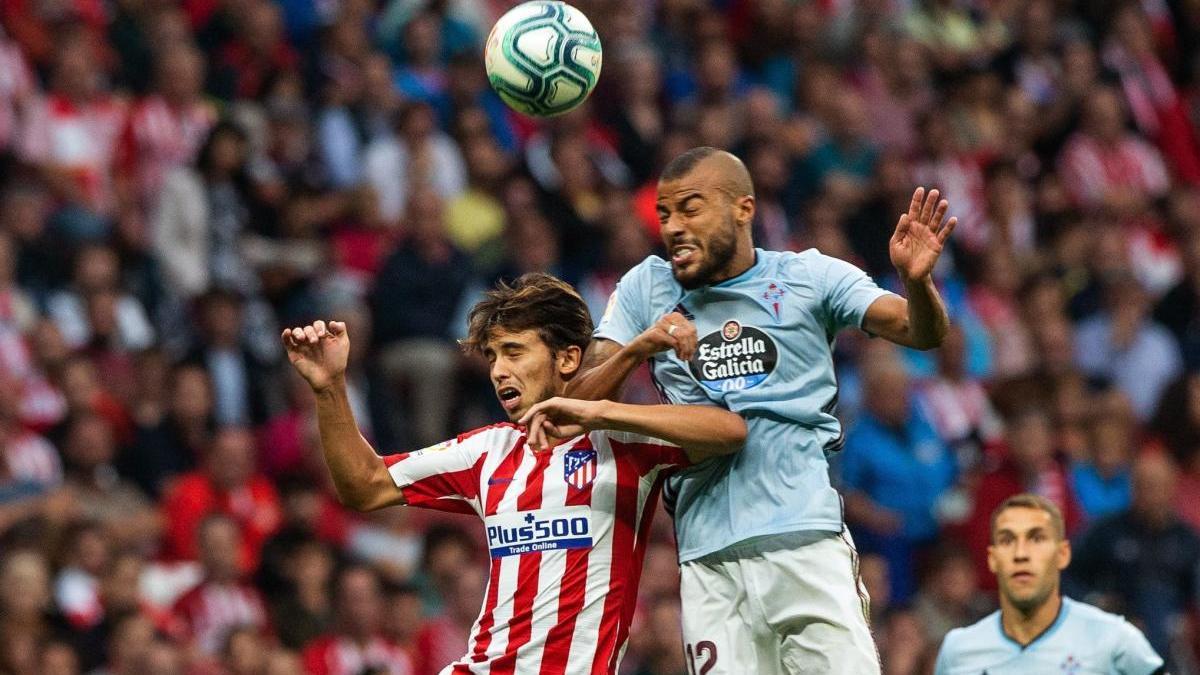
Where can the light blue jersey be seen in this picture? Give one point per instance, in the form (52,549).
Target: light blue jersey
(1082,640)
(765,352)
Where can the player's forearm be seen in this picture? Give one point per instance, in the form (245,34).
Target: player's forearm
(605,380)
(927,317)
(359,474)
(701,430)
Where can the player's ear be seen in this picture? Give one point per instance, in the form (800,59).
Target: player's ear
(992,563)
(567,360)
(743,210)
(1063,554)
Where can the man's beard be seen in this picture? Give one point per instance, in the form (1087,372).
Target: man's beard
(718,251)
(1028,606)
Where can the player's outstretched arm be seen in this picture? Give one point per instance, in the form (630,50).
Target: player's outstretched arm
(920,321)
(319,353)
(702,431)
(607,364)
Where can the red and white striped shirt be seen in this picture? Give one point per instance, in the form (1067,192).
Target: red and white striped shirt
(1090,168)
(81,139)
(161,137)
(337,655)
(209,611)
(567,531)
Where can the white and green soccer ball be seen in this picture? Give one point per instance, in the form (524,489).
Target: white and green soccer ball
(543,57)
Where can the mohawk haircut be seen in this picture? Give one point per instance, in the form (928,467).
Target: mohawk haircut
(535,301)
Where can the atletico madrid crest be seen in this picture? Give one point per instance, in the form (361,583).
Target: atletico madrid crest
(579,468)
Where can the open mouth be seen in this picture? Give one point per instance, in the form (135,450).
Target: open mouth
(683,254)
(510,398)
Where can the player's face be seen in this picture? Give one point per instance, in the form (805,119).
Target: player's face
(524,370)
(699,228)
(1027,557)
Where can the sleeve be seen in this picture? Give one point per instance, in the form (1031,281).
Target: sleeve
(444,477)
(650,455)
(1133,654)
(626,315)
(847,292)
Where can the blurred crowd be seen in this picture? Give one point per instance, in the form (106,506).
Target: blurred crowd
(181,179)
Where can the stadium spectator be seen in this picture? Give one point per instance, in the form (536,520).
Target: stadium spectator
(957,405)
(166,128)
(246,385)
(949,597)
(447,555)
(356,644)
(226,484)
(127,517)
(25,602)
(72,138)
(170,435)
(417,156)
(97,271)
(442,637)
(131,640)
(1103,166)
(894,470)
(200,215)
(1102,480)
(415,297)
(403,619)
(1122,344)
(1028,464)
(1142,562)
(222,601)
(304,607)
(245,651)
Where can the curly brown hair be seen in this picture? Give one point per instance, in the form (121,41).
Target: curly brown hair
(535,301)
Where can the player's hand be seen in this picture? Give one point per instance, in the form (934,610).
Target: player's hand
(920,235)
(673,331)
(560,418)
(319,352)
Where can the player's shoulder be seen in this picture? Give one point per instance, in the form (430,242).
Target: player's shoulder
(1091,620)
(490,436)
(807,265)
(966,638)
(652,267)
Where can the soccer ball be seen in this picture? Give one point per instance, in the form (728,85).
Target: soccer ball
(543,57)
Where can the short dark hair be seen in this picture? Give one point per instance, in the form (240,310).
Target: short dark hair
(1027,500)
(535,301)
(683,163)
(445,535)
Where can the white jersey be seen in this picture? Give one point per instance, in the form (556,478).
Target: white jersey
(1082,639)
(566,531)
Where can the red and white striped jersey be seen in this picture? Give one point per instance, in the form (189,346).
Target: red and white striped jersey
(566,531)
(209,611)
(160,137)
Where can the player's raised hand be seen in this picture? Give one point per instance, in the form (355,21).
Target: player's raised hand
(319,352)
(559,418)
(920,235)
(672,331)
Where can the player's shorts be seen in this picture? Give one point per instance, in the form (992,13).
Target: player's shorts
(782,604)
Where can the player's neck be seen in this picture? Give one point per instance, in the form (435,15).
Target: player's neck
(1024,628)
(743,260)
